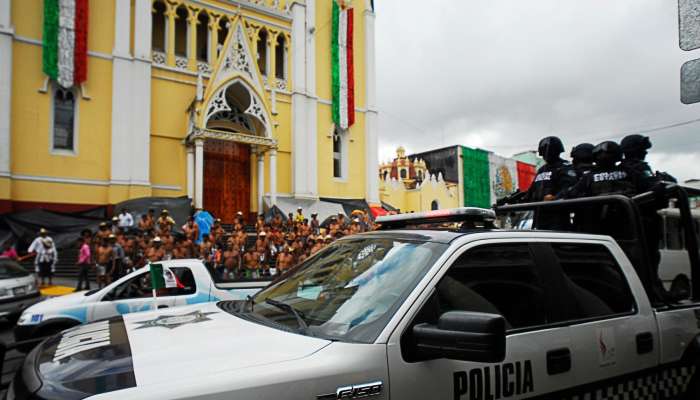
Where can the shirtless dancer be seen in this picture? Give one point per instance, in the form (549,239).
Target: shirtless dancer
(251,259)
(156,252)
(105,262)
(285,260)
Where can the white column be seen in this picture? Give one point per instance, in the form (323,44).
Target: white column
(311,145)
(273,177)
(6,34)
(190,172)
(300,186)
(261,180)
(141,91)
(199,173)
(122,97)
(371,137)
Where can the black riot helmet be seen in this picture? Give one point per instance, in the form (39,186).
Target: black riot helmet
(550,148)
(635,146)
(607,154)
(582,153)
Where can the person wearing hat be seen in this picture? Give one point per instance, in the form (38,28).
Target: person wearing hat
(328,239)
(102,233)
(299,217)
(165,222)
(314,223)
(105,261)
(38,250)
(156,252)
(114,225)
(118,256)
(317,244)
(217,231)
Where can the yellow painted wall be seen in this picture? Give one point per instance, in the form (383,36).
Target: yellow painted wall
(169,119)
(395,194)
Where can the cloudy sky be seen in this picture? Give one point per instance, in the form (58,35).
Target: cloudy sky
(500,74)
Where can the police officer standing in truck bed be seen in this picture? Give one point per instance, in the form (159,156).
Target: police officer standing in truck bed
(553,178)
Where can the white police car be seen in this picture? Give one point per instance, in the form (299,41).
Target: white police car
(131,293)
(462,313)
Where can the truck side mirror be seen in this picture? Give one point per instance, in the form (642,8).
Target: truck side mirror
(464,336)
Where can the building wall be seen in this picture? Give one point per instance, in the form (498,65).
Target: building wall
(394,193)
(39,176)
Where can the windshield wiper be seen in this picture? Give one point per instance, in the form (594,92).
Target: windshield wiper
(304,327)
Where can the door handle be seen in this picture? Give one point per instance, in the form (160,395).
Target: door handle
(558,361)
(645,343)
(162,306)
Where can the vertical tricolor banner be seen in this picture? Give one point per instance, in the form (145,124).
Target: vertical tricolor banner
(342,64)
(65,41)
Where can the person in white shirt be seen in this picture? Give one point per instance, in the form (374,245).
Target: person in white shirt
(126,220)
(45,255)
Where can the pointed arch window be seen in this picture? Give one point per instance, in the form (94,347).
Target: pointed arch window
(64,112)
(159,28)
(262,51)
(223,33)
(434,205)
(203,36)
(280,59)
(181,32)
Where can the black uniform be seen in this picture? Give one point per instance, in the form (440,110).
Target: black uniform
(606,178)
(645,180)
(552,179)
(582,159)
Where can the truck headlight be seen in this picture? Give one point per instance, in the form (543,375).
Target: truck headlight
(4,292)
(31,288)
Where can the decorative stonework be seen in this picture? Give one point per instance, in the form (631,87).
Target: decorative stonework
(203,67)
(237,57)
(232,136)
(181,62)
(158,57)
(281,84)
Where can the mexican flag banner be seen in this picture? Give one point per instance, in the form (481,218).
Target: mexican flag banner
(163,277)
(65,41)
(342,71)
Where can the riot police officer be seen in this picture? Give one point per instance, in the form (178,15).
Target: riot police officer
(582,158)
(553,178)
(635,148)
(606,177)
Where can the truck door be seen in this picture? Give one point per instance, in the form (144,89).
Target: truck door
(615,338)
(502,277)
(132,294)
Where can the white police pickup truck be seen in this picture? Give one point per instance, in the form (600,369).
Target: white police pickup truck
(461,312)
(131,293)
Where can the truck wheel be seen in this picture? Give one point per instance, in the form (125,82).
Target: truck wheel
(693,390)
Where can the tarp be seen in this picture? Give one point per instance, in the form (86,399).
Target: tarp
(526,174)
(204,221)
(503,174)
(179,208)
(322,208)
(476,178)
(64,228)
(349,205)
(378,212)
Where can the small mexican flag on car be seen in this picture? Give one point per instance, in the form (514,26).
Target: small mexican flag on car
(162,277)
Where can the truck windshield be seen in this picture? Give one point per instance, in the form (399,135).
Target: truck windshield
(349,290)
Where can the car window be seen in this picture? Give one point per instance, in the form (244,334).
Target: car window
(595,281)
(349,290)
(496,279)
(11,269)
(140,286)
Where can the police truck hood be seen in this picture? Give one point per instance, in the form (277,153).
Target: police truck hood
(203,339)
(148,348)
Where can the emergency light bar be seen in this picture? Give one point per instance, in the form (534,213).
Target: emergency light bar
(462,214)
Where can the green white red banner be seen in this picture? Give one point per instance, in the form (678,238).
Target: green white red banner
(342,71)
(65,41)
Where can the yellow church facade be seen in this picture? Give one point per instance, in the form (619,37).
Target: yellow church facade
(228,102)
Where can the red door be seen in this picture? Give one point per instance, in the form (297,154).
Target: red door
(226,179)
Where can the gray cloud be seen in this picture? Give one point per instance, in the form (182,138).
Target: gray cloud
(501,74)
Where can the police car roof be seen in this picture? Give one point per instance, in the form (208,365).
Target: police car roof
(447,236)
